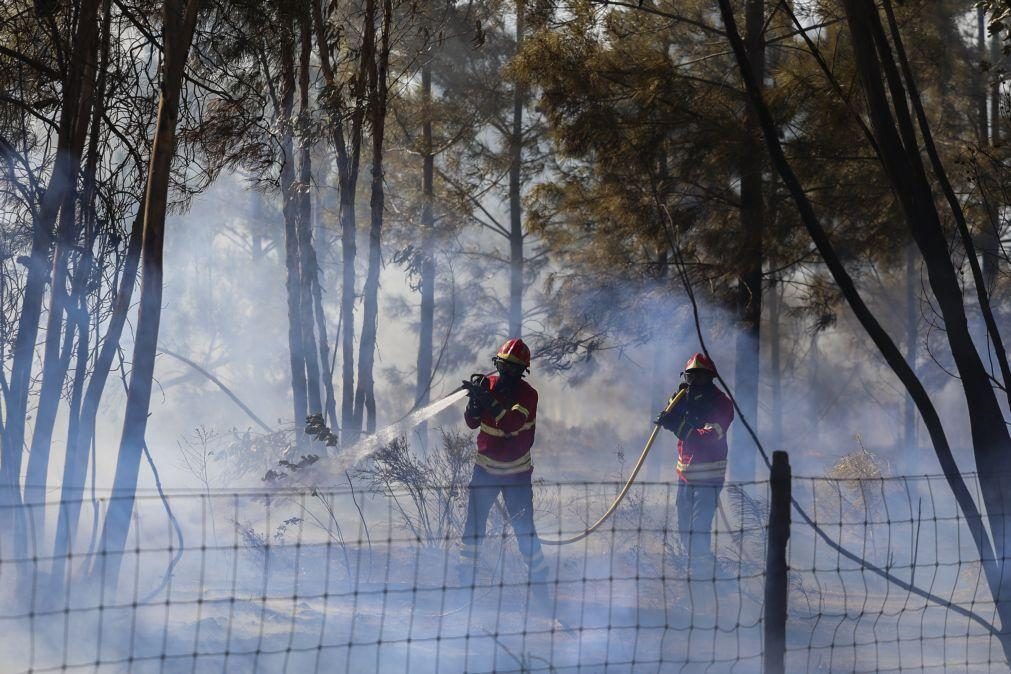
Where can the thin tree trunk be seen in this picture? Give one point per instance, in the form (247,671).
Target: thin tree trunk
(67,164)
(56,363)
(426,329)
(178,35)
(979,90)
(303,220)
(516,261)
(989,237)
(749,286)
(348,149)
(775,364)
(80,439)
(814,402)
(365,401)
(292,258)
(912,336)
(996,56)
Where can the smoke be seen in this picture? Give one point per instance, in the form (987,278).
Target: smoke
(616,599)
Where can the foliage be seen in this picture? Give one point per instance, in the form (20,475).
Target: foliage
(430,493)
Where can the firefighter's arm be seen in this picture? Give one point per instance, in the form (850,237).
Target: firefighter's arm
(510,416)
(717,420)
(472,415)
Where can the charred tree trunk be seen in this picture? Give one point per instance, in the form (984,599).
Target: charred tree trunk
(749,286)
(365,398)
(426,329)
(516,261)
(292,259)
(303,219)
(179,24)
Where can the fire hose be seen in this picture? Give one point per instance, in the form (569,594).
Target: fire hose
(628,484)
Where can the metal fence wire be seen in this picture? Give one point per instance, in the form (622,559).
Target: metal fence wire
(367,581)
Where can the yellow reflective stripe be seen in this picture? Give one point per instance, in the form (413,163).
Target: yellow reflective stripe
(494,463)
(701,469)
(713,426)
(499,433)
(501,414)
(508,471)
(520,465)
(522,410)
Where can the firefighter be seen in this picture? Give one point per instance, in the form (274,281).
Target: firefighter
(700,421)
(504,407)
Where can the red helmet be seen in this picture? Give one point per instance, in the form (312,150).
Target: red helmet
(700,362)
(515,351)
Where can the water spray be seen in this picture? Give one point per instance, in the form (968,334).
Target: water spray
(361,450)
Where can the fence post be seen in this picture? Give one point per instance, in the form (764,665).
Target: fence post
(775,565)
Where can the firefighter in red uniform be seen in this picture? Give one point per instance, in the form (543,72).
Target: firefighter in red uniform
(504,407)
(700,421)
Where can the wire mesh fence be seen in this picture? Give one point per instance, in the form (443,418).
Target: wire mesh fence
(368,580)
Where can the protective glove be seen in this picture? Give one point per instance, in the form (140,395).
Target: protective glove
(480,397)
(666,418)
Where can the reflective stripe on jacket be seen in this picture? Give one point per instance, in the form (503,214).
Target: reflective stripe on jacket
(703,452)
(504,443)
(710,472)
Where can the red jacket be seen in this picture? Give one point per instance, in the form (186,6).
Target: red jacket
(503,445)
(702,456)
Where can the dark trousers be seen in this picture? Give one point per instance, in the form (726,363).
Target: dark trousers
(518,494)
(696,508)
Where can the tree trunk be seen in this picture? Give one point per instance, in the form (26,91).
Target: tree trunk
(904,166)
(348,150)
(292,258)
(979,90)
(996,56)
(426,329)
(989,237)
(178,35)
(516,261)
(79,437)
(912,336)
(858,19)
(66,166)
(56,362)
(365,401)
(749,286)
(814,401)
(307,256)
(775,364)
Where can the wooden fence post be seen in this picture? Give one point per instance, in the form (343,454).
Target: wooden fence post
(775,565)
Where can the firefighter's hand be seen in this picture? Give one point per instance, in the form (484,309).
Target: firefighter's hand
(664,419)
(480,398)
